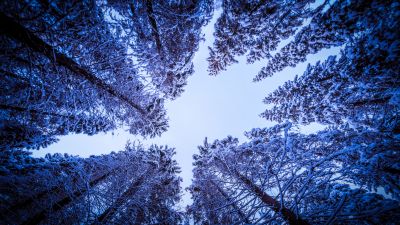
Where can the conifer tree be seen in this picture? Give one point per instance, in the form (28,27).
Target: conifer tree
(281,176)
(342,22)
(163,35)
(360,88)
(131,186)
(254,29)
(65,71)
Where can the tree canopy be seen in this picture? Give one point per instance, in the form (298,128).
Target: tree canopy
(85,66)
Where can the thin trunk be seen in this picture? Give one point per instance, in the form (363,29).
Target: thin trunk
(35,112)
(134,17)
(377,101)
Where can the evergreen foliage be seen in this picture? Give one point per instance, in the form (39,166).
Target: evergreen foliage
(134,185)
(281,176)
(96,66)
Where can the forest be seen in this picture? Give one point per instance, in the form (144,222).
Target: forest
(90,67)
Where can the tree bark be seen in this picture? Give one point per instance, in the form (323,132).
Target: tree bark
(35,112)
(234,206)
(287,214)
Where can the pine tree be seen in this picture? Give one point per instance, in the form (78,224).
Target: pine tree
(254,29)
(163,35)
(65,71)
(212,204)
(281,176)
(337,26)
(360,88)
(131,186)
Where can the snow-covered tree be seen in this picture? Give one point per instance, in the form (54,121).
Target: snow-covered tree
(336,26)
(163,35)
(212,204)
(361,87)
(281,176)
(65,70)
(131,186)
(255,29)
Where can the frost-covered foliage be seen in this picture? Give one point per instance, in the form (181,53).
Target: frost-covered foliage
(345,174)
(93,66)
(361,87)
(343,21)
(281,176)
(254,29)
(83,66)
(163,35)
(64,71)
(134,185)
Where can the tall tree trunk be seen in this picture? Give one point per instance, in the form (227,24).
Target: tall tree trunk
(153,23)
(287,214)
(35,112)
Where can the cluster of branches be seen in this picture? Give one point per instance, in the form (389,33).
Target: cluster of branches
(281,176)
(360,86)
(76,66)
(134,186)
(346,174)
(89,67)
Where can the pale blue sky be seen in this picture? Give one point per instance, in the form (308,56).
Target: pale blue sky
(212,107)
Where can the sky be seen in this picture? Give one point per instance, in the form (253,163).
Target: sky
(211,106)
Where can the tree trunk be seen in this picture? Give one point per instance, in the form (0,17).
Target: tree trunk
(275,205)
(153,23)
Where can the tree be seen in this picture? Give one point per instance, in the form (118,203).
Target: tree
(134,185)
(65,71)
(211,203)
(163,35)
(255,29)
(337,26)
(360,87)
(286,177)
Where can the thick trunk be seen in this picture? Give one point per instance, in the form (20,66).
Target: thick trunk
(275,205)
